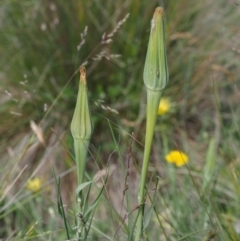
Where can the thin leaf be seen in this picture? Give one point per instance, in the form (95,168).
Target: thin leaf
(94,204)
(60,205)
(82,186)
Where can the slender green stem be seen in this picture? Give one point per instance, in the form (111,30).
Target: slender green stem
(153,99)
(81,150)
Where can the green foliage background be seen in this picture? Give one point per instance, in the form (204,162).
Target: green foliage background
(39,67)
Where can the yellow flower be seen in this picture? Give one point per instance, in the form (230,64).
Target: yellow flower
(177,157)
(34,185)
(164,106)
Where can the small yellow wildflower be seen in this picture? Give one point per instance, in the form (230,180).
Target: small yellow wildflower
(34,185)
(177,157)
(164,106)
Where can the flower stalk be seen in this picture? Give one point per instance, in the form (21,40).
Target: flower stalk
(155,78)
(81,129)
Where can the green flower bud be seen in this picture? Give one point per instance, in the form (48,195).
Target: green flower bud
(155,74)
(155,78)
(81,126)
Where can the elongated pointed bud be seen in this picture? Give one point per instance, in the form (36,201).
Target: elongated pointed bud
(81,126)
(155,74)
(155,78)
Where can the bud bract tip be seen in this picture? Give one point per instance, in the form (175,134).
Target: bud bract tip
(81,126)
(155,70)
